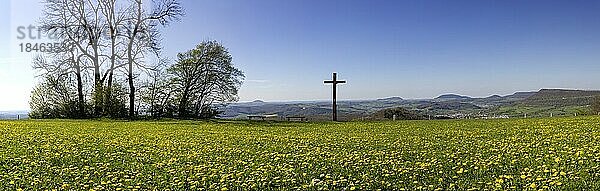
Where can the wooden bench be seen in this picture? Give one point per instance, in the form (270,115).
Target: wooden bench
(261,117)
(295,118)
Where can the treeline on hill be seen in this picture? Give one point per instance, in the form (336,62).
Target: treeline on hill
(397,113)
(110,65)
(561,98)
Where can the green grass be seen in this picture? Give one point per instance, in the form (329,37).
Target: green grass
(518,111)
(557,153)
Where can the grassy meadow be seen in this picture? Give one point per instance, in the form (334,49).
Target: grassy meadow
(531,154)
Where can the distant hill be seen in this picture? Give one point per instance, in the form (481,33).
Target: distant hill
(540,103)
(493,97)
(520,95)
(391,99)
(448,105)
(560,97)
(452,96)
(14,114)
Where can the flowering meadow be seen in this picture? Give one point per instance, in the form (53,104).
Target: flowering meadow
(503,154)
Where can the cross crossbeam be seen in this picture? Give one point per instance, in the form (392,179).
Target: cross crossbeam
(334,82)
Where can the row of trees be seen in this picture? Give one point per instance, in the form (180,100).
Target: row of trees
(110,64)
(595,106)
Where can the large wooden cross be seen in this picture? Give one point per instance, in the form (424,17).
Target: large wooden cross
(334,82)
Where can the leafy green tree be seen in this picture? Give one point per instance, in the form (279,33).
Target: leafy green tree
(595,106)
(203,78)
(399,112)
(55,97)
(157,96)
(115,106)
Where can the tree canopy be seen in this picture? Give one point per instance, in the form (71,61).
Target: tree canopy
(111,64)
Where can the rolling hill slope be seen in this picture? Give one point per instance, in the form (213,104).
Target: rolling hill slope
(560,98)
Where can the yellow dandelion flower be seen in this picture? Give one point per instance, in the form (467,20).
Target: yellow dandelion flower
(532,185)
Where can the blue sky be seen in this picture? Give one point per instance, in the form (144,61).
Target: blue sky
(411,49)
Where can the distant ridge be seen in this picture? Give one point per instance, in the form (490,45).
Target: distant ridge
(494,97)
(391,99)
(452,96)
(539,103)
(561,97)
(520,95)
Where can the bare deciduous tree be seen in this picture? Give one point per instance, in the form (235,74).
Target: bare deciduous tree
(142,36)
(105,36)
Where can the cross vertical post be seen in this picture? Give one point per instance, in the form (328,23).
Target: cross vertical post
(334,82)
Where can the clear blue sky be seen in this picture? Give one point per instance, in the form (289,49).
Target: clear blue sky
(411,49)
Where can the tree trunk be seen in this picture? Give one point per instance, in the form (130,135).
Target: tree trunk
(97,83)
(183,104)
(130,60)
(130,77)
(131,92)
(80,100)
(108,97)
